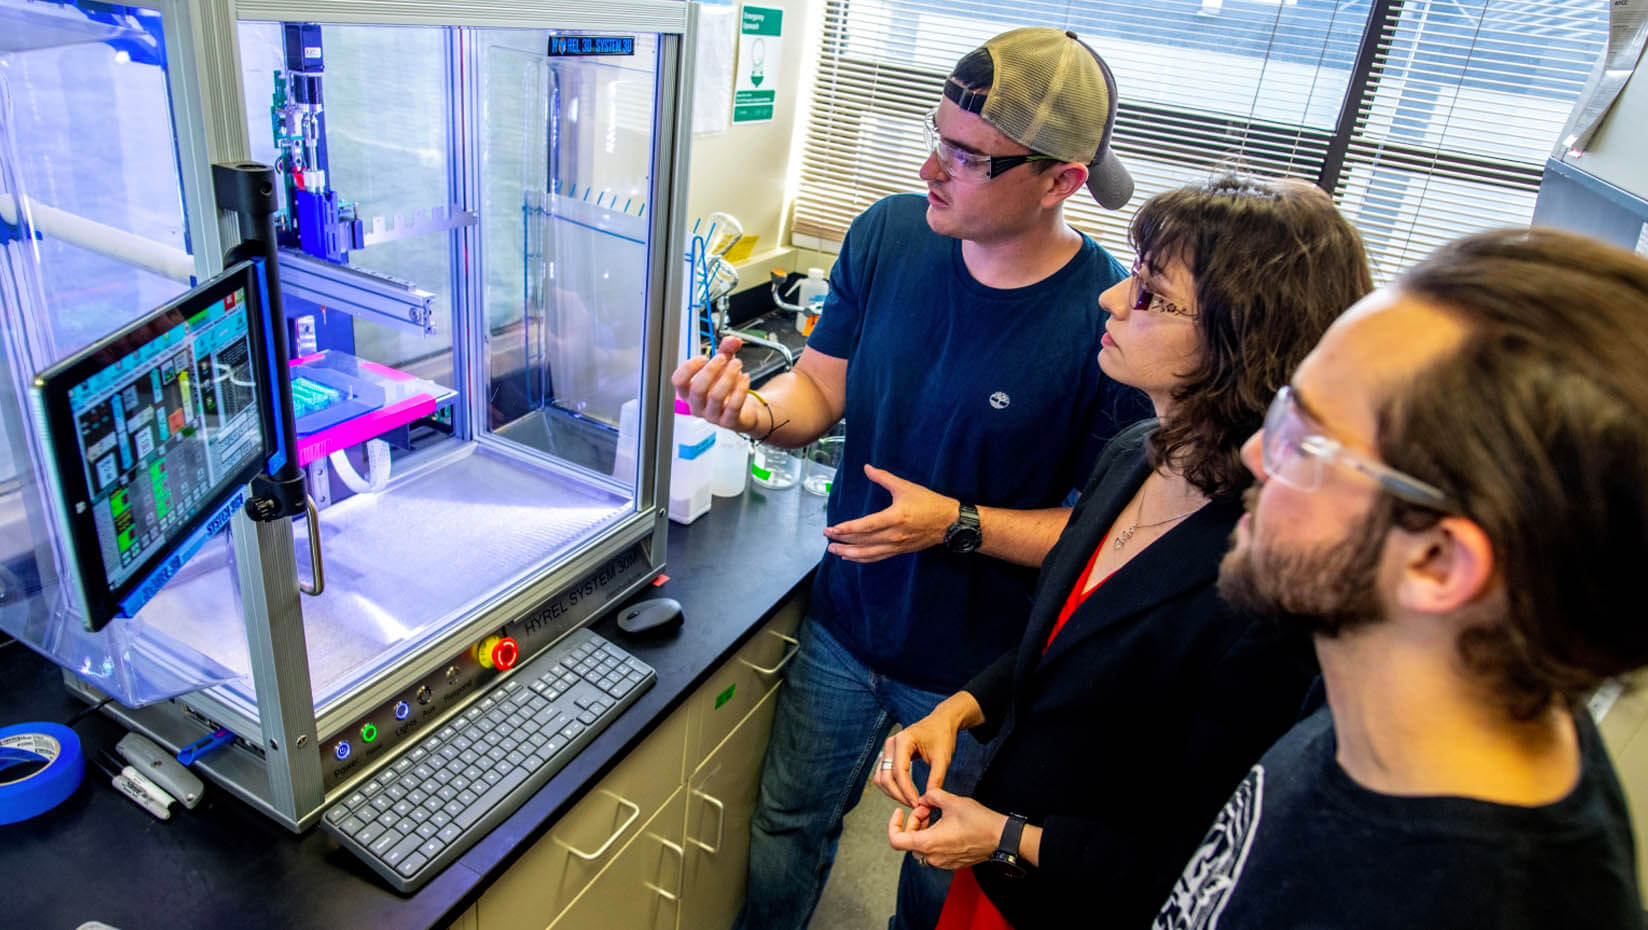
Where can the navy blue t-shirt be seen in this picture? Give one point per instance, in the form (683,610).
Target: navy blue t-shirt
(989,396)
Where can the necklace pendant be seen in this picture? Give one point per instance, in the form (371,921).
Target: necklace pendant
(1125,535)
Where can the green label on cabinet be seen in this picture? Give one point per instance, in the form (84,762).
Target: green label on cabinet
(726,695)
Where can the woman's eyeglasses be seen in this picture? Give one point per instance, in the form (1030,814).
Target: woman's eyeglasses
(1144,299)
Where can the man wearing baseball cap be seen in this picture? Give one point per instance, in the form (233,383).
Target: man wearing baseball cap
(959,341)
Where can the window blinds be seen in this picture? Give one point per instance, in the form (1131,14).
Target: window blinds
(1463,103)
(1425,119)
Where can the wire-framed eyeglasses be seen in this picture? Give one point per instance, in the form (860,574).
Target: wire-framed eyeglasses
(1144,299)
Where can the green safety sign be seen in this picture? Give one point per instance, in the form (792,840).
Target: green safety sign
(759,33)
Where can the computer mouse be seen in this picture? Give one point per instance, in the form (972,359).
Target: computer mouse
(651,617)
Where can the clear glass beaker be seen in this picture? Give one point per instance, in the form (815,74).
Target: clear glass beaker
(732,463)
(818,471)
(774,467)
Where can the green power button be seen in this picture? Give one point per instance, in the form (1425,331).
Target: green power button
(369,732)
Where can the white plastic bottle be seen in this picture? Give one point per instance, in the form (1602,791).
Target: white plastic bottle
(810,294)
(692,472)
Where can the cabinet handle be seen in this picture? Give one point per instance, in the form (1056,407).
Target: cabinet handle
(720,823)
(681,854)
(634,812)
(795,647)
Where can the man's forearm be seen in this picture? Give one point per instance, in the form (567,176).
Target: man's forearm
(1023,537)
(792,405)
(797,407)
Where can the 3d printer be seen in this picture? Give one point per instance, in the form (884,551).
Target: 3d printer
(480,225)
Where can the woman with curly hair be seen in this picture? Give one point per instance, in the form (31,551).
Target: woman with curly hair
(1137,698)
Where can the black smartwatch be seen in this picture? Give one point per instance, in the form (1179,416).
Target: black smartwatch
(1005,862)
(963,536)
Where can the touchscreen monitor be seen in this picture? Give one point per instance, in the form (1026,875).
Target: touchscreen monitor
(153,434)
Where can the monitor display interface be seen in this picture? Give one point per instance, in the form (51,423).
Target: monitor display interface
(153,428)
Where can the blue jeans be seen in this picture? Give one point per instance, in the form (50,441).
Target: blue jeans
(833,715)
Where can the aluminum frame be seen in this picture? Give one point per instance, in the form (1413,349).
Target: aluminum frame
(202,40)
(357,292)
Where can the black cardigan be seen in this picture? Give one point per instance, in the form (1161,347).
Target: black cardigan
(1126,737)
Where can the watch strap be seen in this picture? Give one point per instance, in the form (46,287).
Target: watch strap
(1011,834)
(964,535)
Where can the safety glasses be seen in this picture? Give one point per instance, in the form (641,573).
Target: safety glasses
(963,165)
(1296,454)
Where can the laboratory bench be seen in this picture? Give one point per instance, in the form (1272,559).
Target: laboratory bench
(647,826)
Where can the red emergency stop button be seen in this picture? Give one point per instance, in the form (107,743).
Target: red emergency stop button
(505,654)
(499,652)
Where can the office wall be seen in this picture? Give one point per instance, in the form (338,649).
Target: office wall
(747,169)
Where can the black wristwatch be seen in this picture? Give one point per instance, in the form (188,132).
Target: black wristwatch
(1005,862)
(963,536)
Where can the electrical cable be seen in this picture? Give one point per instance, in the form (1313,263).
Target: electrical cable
(378,464)
(86,711)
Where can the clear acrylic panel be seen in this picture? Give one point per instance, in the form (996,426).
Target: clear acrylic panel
(565,303)
(433,502)
(92,235)
(99,147)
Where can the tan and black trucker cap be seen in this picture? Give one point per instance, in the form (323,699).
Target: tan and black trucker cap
(1054,95)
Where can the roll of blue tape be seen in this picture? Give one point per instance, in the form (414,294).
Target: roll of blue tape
(30,793)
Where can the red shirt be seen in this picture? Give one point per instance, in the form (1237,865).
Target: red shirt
(1077,596)
(966,907)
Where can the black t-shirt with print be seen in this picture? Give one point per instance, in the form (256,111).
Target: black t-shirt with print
(1299,844)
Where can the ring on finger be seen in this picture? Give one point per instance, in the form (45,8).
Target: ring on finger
(886,763)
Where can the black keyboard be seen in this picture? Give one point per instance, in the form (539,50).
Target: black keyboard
(449,789)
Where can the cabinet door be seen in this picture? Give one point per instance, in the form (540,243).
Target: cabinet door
(734,689)
(642,888)
(720,801)
(588,838)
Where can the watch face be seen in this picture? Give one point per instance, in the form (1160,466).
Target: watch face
(962,538)
(1002,865)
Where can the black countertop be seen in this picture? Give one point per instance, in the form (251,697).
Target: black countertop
(99,857)
(761,362)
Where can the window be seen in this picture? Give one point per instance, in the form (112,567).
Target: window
(1461,107)
(1425,119)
